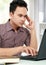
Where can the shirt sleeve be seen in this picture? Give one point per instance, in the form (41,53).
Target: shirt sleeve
(27,41)
(0,41)
(0,36)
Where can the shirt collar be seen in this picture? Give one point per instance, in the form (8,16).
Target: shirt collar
(9,27)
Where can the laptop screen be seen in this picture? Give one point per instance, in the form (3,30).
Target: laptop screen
(42,49)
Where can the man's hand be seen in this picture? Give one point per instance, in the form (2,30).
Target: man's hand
(31,23)
(29,50)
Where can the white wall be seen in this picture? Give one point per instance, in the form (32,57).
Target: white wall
(36,18)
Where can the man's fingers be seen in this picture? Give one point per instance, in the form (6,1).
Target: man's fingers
(28,19)
(34,52)
(27,25)
(26,50)
(30,51)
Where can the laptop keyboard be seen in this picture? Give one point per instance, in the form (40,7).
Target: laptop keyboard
(29,57)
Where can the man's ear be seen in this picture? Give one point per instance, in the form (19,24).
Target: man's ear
(11,14)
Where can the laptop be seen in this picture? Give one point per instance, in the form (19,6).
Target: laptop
(41,53)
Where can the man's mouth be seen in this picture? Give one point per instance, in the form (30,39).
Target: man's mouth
(22,23)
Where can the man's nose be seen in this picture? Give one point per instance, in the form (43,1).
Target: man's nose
(23,18)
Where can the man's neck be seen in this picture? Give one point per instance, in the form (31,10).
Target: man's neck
(14,26)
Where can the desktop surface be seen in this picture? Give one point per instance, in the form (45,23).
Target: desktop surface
(29,62)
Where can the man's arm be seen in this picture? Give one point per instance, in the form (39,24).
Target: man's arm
(33,40)
(16,50)
(11,51)
(31,27)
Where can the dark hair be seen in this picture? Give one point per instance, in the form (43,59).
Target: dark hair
(15,3)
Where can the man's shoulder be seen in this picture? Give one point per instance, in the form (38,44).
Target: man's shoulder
(2,28)
(1,25)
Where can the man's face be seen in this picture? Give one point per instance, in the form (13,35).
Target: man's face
(19,16)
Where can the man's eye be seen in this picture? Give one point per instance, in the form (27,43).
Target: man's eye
(20,15)
(25,16)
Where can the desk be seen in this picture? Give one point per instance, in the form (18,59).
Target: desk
(29,62)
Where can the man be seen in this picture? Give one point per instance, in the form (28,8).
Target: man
(13,35)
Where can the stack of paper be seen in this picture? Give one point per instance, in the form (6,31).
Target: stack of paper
(4,60)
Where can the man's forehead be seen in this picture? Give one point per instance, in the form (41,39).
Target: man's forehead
(21,10)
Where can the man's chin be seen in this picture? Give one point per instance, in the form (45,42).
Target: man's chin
(20,25)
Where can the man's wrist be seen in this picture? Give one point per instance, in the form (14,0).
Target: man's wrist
(32,30)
